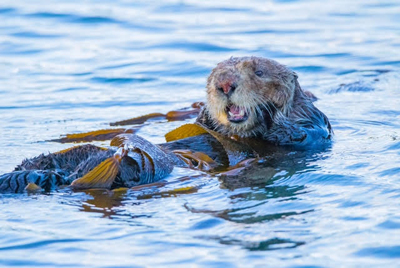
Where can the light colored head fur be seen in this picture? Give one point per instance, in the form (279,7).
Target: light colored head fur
(263,87)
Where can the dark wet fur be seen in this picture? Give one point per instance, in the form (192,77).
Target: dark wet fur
(55,169)
(305,125)
(77,160)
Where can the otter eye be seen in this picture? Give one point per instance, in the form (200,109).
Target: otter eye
(259,73)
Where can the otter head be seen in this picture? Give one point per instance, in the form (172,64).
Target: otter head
(245,96)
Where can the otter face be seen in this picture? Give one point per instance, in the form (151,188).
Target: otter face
(245,95)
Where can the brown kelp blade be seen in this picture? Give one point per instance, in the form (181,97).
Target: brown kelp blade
(196,160)
(108,134)
(236,151)
(175,115)
(197,105)
(32,188)
(97,135)
(186,113)
(170,193)
(185,131)
(102,176)
(139,120)
(180,115)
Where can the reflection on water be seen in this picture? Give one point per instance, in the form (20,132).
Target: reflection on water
(104,201)
(108,202)
(254,182)
(73,67)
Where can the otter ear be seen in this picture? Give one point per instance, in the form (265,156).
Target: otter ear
(295,76)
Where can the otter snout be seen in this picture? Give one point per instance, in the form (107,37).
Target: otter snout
(226,82)
(227,87)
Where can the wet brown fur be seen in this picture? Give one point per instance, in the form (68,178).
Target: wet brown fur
(276,105)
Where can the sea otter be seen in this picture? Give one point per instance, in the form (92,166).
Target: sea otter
(253,104)
(254,97)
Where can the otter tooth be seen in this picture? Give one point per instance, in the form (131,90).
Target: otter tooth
(230,113)
(241,112)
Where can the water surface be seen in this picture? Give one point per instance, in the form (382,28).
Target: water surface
(73,66)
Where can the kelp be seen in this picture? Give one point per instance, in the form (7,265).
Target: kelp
(136,122)
(152,163)
(97,135)
(235,150)
(130,160)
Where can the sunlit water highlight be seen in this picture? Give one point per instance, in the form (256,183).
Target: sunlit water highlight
(74,66)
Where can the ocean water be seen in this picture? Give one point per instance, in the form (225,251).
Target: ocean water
(76,66)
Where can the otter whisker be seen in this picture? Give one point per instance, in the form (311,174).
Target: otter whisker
(259,112)
(267,107)
(279,117)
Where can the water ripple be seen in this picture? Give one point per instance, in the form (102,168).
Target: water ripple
(357,86)
(264,245)
(192,46)
(389,224)
(74,18)
(121,80)
(380,252)
(34,35)
(182,7)
(310,68)
(30,263)
(41,243)
(7,10)
(74,66)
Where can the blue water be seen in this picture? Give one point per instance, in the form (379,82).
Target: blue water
(75,66)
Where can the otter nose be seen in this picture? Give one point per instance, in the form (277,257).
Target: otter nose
(227,88)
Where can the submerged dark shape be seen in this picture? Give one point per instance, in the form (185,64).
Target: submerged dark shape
(253,105)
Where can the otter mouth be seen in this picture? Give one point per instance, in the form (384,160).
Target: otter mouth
(236,114)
